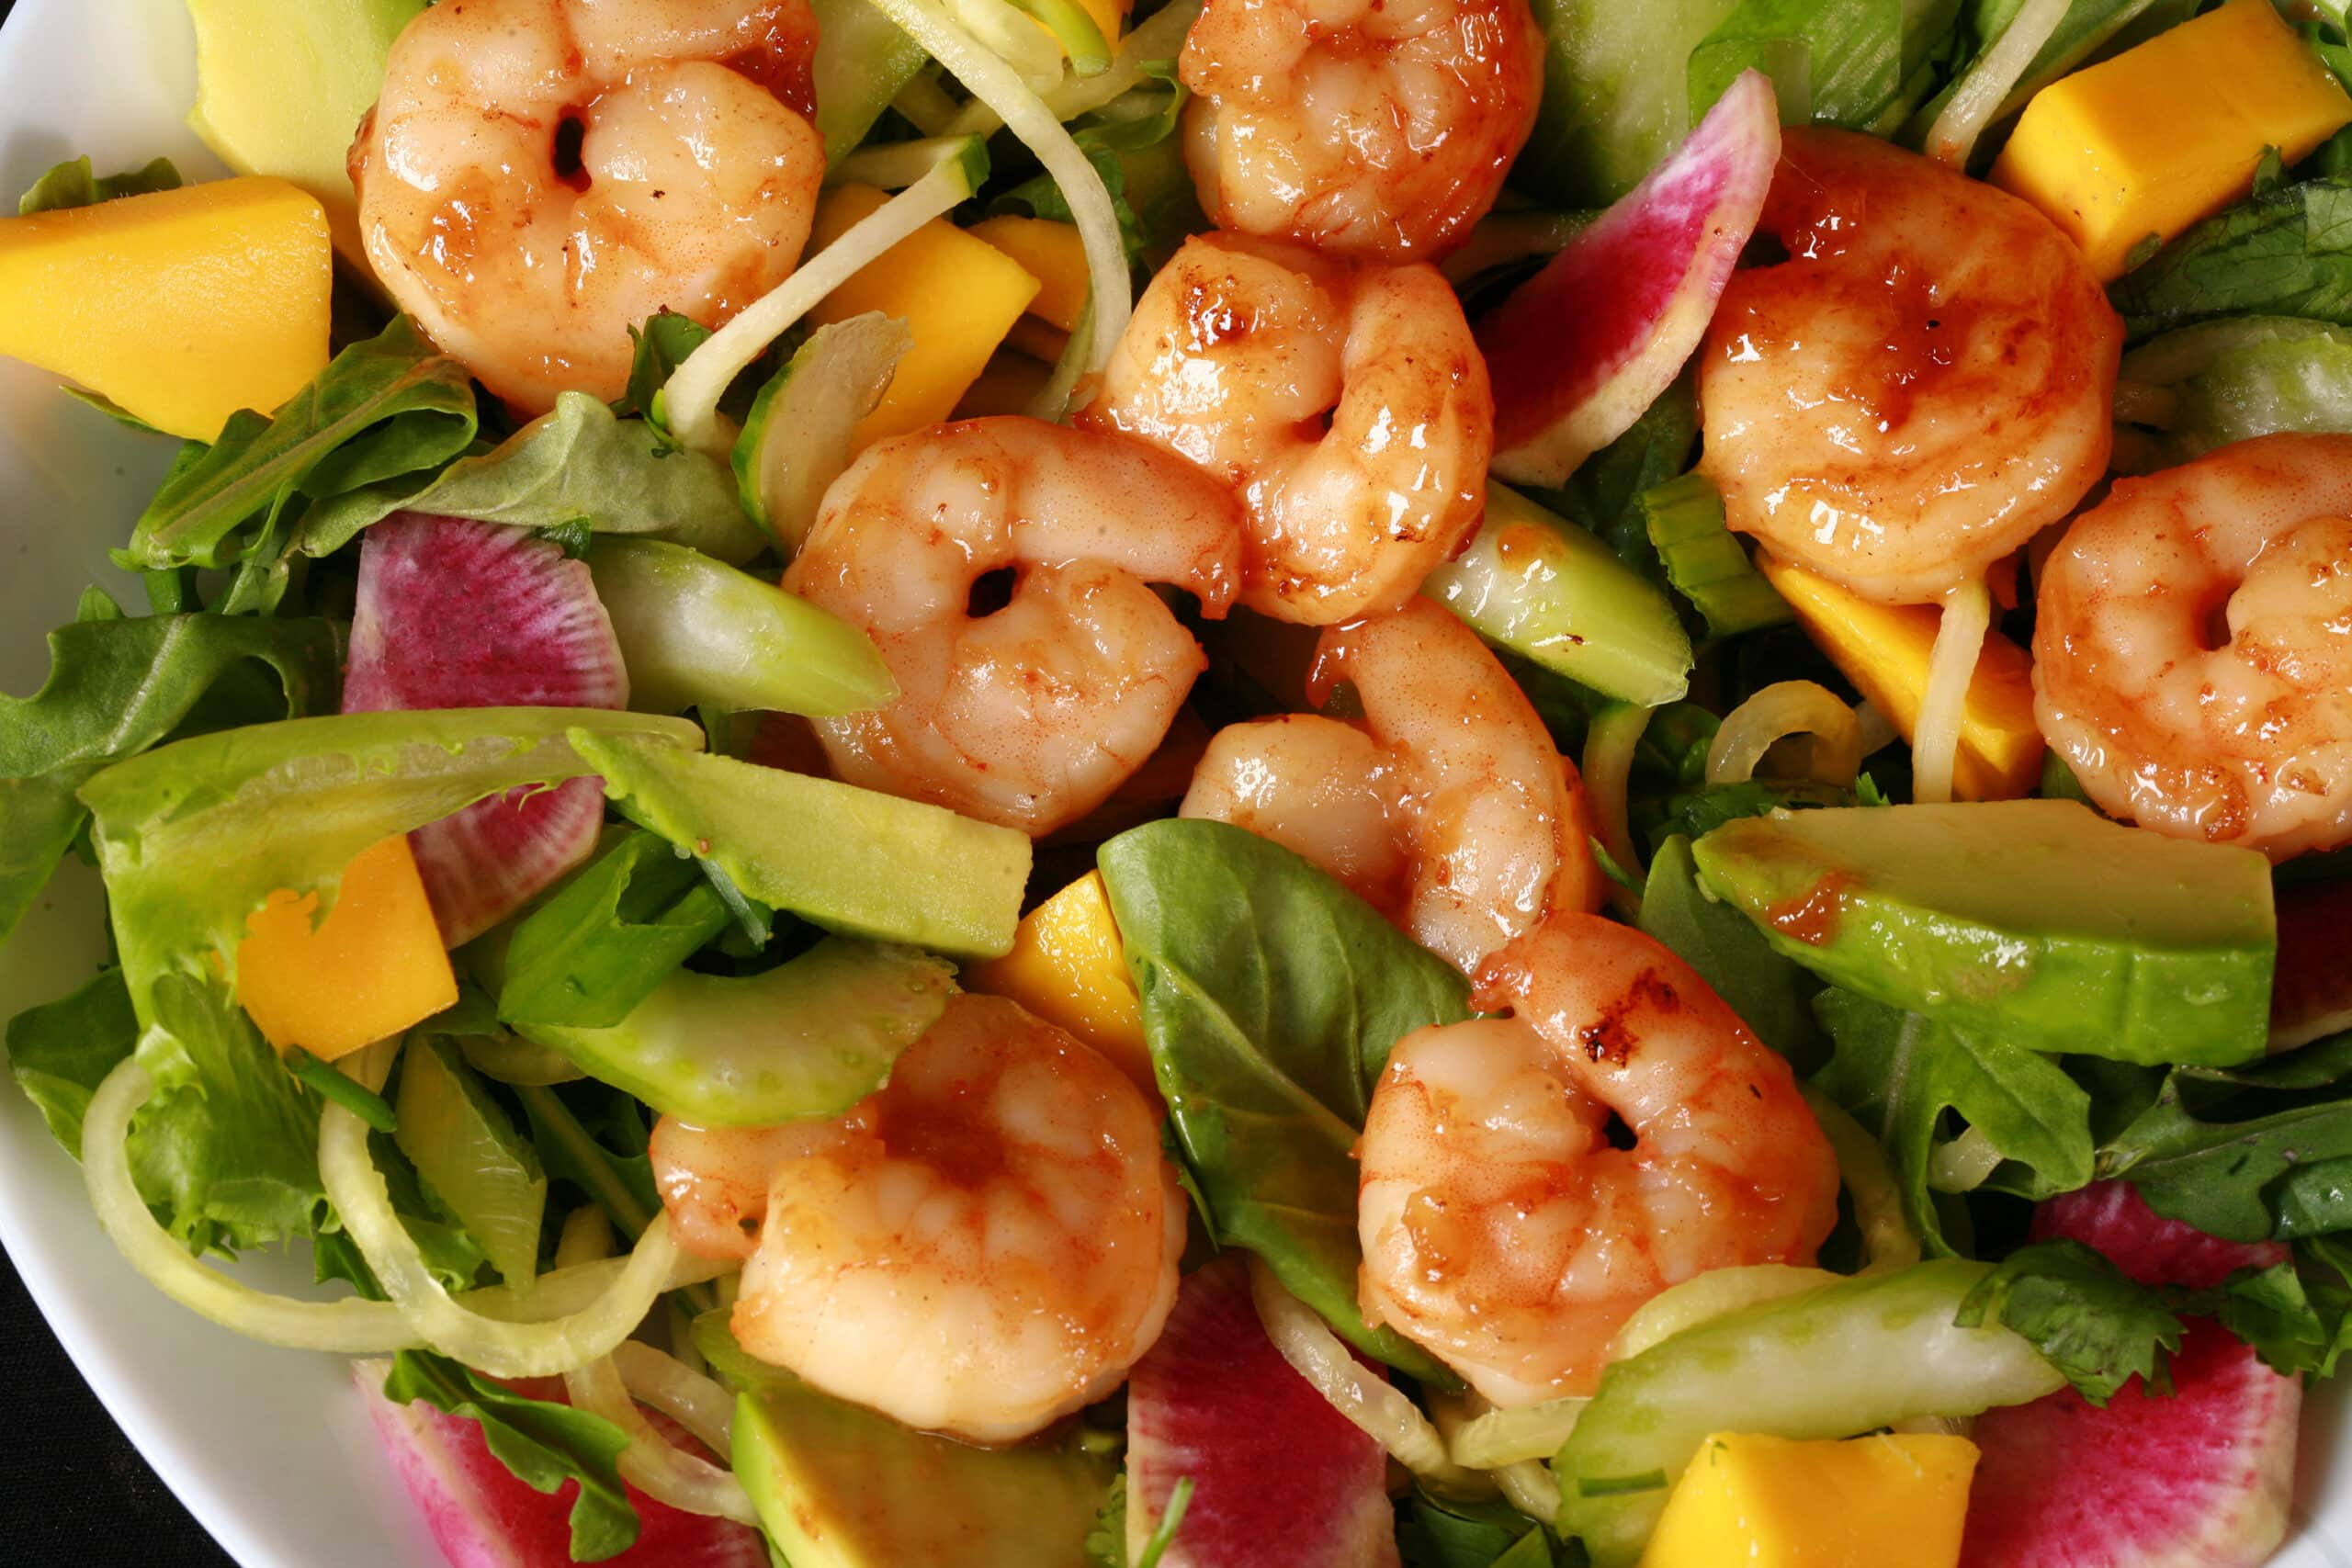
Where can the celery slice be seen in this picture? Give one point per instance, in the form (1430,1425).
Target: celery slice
(1704,562)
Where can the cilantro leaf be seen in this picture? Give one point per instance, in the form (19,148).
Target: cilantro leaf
(2083,1315)
(2287,252)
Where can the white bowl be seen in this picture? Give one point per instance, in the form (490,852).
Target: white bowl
(269,1449)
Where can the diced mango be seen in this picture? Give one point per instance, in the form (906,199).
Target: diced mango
(2169,132)
(373,967)
(182,306)
(1069,966)
(1885,1502)
(1884,650)
(959,296)
(1053,254)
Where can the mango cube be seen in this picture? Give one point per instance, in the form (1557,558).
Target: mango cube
(182,306)
(1052,254)
(959,296)
(2169,132)
(372,968)
(1883,1502)
(1884,650)
(1069,966)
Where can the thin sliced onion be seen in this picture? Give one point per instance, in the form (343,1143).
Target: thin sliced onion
(1779,711)
(495,1348)
(1380,1411)
(353,1328)
(684,1394)
(1000,86)
(690,398)
(1965,1164)
(1607,768)
(561,1293)
(1011,37)
(1530,1487)
(1877,732)
(1888,1240)
(1161,38)
(1492,1438)
(1976,102)
(1960,640)
(651,1463)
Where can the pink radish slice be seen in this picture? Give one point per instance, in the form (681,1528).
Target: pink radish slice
(1279,1479)
(454,613)
(2311,995)
(482,1517)
(2201,1478)
(1578,351)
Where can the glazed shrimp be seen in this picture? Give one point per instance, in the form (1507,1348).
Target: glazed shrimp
(541,176)
(1503,1233)
(983,1245)
(1924,385)
(1367,128)
(1241,352)
(2192,654)
(1449,809)
(1032,715)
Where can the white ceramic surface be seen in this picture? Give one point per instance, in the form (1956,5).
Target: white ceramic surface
(268,1448)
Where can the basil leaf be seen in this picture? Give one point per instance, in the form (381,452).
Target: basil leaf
(1271,997)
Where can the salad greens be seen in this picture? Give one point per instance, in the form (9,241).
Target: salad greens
(599,945)
(72,184)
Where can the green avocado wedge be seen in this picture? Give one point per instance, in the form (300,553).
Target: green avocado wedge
(2037,920)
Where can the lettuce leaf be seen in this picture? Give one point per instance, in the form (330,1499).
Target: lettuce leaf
(60,1051)
(119,687)
(71,184)
(2285,253)
(1272,995)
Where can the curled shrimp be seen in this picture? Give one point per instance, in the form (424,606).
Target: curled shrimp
(1030,715)
(1448,808)
(1502,1230)
(1345,403)
(1920,387)
(2193,647)
(982,1246)
(1368,128)
(541,176)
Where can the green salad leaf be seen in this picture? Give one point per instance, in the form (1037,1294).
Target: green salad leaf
(2088,1320)
(578,463)
(2271,1160)
(389,406)
(2286,252)
(60,1051)
(618,1179)
(1605,491)
(119,687)
(597,948)
(2209,385)
(1271,997)
(1897,1073)
(1773,995)
(1835,62)
(72,184)
(1137,150)
(543,1443)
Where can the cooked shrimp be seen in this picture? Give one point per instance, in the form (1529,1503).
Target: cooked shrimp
(2192,654)
(1924,385)
(1243,351)
(982,1246)
(1032,715)
(1449,809)
(1502,1230)
(1368,127)
(541,176)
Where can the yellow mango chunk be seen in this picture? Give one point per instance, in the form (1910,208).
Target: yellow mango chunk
(1069,966)
(1883,1502)
(374,966)
(959,296)
(1052,254)
(1884,650)
(2169,132)
(183,307)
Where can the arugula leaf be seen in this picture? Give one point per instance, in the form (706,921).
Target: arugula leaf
(1897,1073)
(1449,1533)
(543,1444)
(60,1051)
(2287,253)
(1603,493)
(391,405)
(119,687)
(2085,1317)
(661,345)
(1772,995)
(1694,813)
(2279,1169)
(1271,997)
(71,184)
(575,463)
(591,954)
(619,1183)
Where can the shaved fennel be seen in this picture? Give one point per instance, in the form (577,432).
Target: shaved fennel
(1960,641)
(1780,710)
(652,1463)
(1976,102)
(695,1402)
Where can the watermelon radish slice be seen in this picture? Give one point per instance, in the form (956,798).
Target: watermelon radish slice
(1279,1479)
(2310,992)
(482,1517)
(2201,1478)
(455,614)
(1578,351)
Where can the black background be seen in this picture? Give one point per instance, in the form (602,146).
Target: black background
(72,1490)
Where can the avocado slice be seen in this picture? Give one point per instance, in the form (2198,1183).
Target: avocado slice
(850,860)
(839,1486)
(280,87)
(2037,918)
